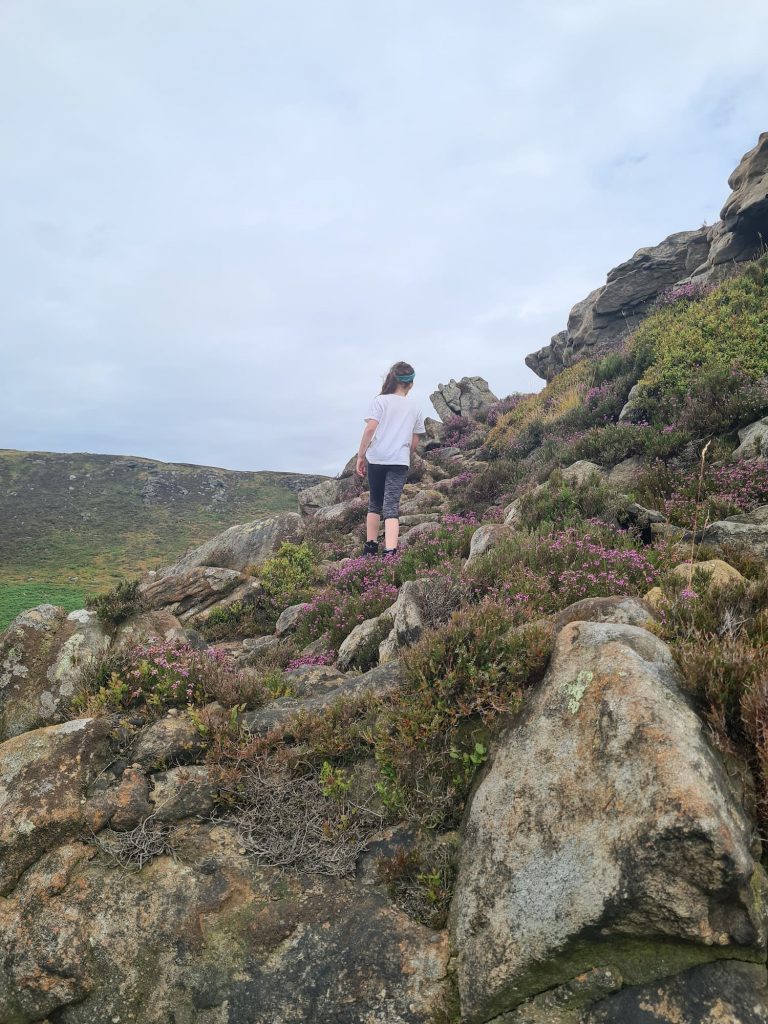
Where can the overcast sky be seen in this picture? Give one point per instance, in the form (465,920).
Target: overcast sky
(220,222)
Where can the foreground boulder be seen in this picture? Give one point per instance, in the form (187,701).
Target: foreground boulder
(41,655)
(186,594)
(209,937)
(241,546)
(605,834)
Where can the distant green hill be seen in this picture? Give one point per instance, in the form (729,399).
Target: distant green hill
(74,524)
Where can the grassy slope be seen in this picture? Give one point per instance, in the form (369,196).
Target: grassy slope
(74,524)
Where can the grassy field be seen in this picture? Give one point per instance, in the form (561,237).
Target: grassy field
(73,525)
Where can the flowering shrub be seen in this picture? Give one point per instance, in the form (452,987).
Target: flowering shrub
(360,589)
(691,291)
(534,574)
(460,432)
(726,490)
(494,412)
(326,658)
(164,673)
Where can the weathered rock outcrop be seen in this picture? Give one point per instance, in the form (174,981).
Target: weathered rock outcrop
(609,313)
(605,834)
(41,654)
(209,937)
(465,397)
(743,225)
(753,441)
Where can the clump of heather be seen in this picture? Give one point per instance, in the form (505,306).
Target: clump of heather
(164,673)
(725,490)
(360,589)
(536,574)
(306,660)
(691,291)
(460,432)
(494,412)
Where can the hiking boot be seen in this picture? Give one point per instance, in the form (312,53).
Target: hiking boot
(371,548)
(390,552)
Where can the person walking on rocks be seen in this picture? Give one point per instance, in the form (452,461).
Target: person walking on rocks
(392,429)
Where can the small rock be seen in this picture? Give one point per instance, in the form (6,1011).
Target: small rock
(171,740)
(720,573)
(753,441)
(289,619)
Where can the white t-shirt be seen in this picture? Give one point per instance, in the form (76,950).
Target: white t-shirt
(399,419)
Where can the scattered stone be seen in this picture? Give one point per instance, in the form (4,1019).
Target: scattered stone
(749,530)
(144,626)
(184,792)
(408,619)
(342,510)
(363,636)
(624,475)
(187,593)
(605,833)
(720,573)
(289,619)
(130,800)
(416,533)
(169,741)
(423,501)
(311,680)
(330,492)
(466,397)
(629,611)
(378,681)
(582,471)
(753,441)
(41,655)
(485,537)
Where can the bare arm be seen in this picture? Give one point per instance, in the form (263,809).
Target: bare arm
(415,438)
(365,440)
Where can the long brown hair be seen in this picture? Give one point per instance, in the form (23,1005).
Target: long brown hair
(391,382)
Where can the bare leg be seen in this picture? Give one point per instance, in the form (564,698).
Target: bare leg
(391,533)
(372,521)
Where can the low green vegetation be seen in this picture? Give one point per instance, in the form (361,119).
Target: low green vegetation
(17,597)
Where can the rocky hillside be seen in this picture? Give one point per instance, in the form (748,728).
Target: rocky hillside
(685,261)
(73,524)
(516,774)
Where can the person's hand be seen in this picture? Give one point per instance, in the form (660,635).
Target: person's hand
(360,466)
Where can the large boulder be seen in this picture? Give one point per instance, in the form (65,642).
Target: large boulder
(749,530)
(242,546)
(604,834)
(44,775)
(41,655)
(186,594)
(210,937)
(362,644)
(466,397)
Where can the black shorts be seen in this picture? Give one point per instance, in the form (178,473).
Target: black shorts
(386,486)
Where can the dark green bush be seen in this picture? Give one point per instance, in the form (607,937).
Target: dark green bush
(118,604)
